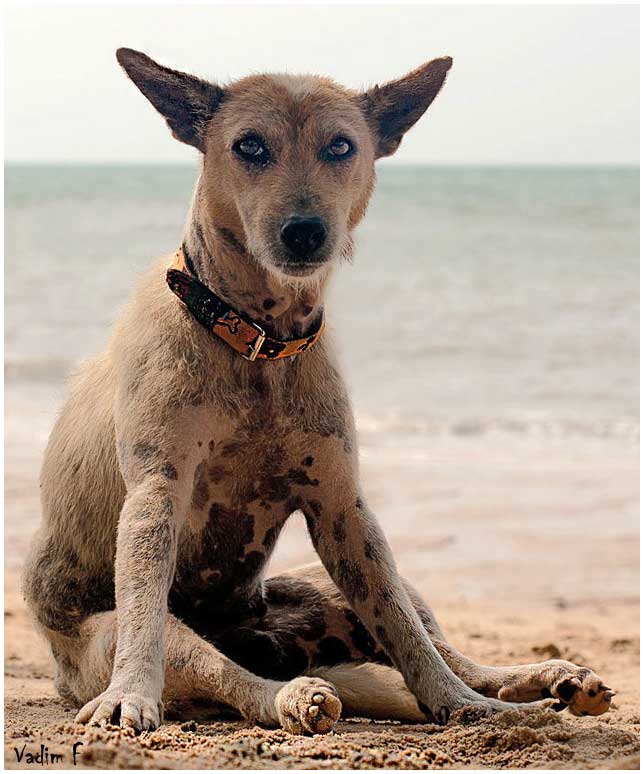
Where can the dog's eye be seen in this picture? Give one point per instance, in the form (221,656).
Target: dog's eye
(339,148)
(252,149)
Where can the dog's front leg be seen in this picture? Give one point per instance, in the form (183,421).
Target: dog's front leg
(145,560)
(355,552)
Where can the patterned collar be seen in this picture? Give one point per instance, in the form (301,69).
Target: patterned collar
(240,333)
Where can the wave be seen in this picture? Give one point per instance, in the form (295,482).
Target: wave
(396,423)
(405,422)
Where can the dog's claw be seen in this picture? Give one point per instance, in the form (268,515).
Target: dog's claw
(442,716)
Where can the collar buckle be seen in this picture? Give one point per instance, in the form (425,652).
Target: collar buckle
(253,349)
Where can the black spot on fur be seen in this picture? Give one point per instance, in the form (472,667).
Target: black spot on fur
(154,542)
(316,508)
(308,461)
(381,633)
(270,537)
(295,616)
(566,689)
(147,456)
(293,504)
(362,640)
(312,510)
(295,609)
(264,653)
(62,592)
(339,531)
(331,650)
(300,477)
(216,473)
(369,551)
(273,489)
(268,303)
(216,572)
(232,240)
(351,580)
(200,491)
(145,451)
(231,449)
(169,471)
(375,548)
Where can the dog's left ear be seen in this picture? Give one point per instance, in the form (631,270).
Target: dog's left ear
(187,103)
(394,108)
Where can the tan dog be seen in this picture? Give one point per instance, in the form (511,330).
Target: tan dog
(176,462)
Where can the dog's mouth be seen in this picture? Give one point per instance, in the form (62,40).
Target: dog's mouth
(308,269)
(283,262)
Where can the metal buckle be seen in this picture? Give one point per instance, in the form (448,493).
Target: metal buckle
(257,344)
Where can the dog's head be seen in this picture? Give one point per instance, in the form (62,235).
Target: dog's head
(288,164)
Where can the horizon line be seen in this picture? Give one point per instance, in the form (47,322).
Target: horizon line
(399,164)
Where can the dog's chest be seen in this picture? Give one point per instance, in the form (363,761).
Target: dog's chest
(246,484)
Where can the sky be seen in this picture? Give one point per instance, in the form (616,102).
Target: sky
(530,84)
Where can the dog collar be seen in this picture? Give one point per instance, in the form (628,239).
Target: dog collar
(243,335)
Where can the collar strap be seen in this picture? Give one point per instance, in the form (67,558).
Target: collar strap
(243,335)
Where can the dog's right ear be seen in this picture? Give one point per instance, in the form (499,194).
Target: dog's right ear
(187,103)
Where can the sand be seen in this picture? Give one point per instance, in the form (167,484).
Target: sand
(527,549)
(606,638)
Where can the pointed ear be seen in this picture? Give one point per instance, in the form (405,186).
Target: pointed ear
(187,103)
(394,108)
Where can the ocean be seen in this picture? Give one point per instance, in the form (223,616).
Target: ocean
(478,299)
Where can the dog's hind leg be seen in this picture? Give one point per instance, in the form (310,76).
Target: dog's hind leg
(372,691)
(194,669)
(310,626)
(579,688)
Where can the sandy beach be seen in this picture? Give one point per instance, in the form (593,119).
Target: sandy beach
(606,638)
(527,550)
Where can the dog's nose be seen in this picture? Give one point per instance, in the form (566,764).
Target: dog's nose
(303,235)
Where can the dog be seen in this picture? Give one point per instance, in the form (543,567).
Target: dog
(216,412)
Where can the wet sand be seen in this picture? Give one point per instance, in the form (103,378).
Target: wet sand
(527,549)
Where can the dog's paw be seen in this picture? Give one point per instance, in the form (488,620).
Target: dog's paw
(129,710)
(577,688)
(308,705)
(583,692)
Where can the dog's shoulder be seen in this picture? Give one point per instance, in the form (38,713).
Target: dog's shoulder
(158,353)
